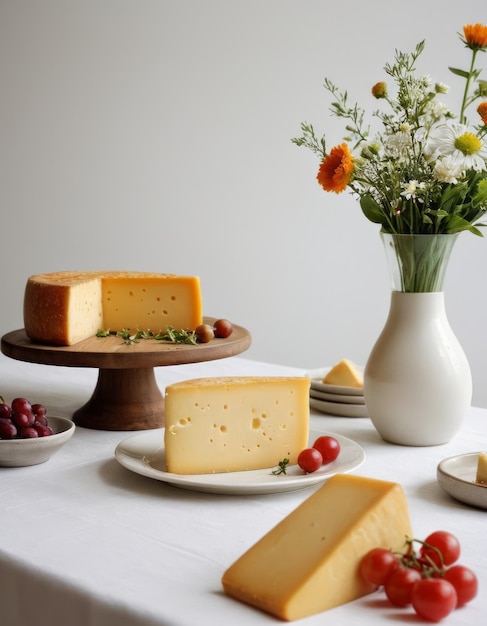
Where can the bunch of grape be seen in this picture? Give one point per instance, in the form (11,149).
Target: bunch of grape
(23,420)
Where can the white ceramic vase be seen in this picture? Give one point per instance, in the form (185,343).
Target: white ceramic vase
(417,380)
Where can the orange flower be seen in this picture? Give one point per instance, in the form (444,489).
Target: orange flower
(475,36)
(482,111)
(336,169)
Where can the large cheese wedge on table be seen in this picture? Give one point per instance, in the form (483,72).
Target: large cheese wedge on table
(235,423)
(344,374)
(63,308)
(309,562)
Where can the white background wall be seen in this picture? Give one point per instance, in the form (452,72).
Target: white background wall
(155,135)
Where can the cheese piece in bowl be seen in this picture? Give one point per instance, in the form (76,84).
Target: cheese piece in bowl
(344,374)
(235,423)
(309,562)
(481,476)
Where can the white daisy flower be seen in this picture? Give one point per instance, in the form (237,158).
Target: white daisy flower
(448,170)
(411,189)
(459,142)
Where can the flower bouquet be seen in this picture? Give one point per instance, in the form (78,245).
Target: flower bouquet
(424,172)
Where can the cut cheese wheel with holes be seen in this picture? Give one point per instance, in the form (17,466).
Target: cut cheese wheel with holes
(63,308)
(235,423)
(309,562)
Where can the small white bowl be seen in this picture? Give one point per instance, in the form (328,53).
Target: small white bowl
(456,475)
(23,452)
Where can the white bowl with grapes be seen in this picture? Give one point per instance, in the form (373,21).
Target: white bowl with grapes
(28,436)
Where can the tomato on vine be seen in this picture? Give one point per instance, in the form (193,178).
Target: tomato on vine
(443,542)
(399,585)
(434,598)
(377,565)
(465,582)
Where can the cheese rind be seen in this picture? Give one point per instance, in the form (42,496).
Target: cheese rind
(63,308)
(344,374)
(481,476)
(309,562)
(235,423)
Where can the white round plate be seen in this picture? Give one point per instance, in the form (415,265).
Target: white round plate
(336,397)
(144,454)
(336,389)
(456,475)
(338,409)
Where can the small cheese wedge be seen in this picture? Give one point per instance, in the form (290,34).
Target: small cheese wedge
(345,374)
(309,562)
(235,423)
(482,468)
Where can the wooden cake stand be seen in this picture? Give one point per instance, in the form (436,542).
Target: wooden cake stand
(126,396)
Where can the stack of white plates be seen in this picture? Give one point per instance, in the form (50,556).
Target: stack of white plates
(336,400)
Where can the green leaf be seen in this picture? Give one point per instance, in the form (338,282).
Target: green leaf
(372,209)
(457,224)
(458,72)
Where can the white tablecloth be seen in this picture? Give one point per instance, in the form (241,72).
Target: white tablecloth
(86,542)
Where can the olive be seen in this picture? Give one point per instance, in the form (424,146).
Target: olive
(222,328)
(204,333)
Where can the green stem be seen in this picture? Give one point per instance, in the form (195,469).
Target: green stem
(463,119)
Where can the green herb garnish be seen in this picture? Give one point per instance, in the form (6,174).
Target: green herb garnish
(281,468)
(178,336)
(171,335)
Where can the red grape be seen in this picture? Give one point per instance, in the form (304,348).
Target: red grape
(42,429)
(39,410)
(29,432)
(7,429)
(22,420)
(21,405)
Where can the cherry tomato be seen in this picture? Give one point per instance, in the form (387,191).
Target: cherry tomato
(377,565)
(434,598)
(328,446)
(446,543)
(465,582)
(399,585)
(310,460)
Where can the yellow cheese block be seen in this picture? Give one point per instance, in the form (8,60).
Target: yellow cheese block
(482,468)
(309,562)
(345,374)
(235,423)
(63,308)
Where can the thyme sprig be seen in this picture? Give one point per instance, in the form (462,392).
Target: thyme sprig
(171,335)
(281,467)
